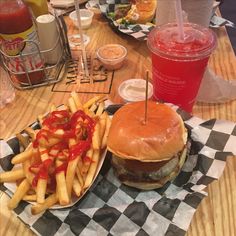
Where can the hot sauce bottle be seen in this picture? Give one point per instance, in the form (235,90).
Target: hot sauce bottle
(16,26)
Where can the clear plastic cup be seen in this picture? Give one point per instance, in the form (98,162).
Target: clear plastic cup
(178,66)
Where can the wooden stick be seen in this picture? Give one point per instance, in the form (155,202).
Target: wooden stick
(146,99)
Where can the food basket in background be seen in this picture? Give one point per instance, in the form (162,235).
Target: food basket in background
(19,67)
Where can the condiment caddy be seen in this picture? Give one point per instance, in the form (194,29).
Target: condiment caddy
(28,55)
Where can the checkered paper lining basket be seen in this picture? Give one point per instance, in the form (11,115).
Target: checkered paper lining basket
(137,31)
(111,208)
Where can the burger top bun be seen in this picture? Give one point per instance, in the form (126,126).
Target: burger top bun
(162,136)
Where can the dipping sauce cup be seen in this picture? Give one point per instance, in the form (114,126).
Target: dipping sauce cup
(178,65)
(112,56)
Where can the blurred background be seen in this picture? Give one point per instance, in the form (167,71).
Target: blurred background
(228,11)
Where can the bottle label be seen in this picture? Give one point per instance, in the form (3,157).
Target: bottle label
(24,43)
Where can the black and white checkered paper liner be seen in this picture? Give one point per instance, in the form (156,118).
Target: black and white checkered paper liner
(111,208)
(137,31)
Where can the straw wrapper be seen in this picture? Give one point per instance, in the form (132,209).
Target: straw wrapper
(110,208)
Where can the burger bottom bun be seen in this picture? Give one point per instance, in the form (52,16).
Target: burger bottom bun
(157,183)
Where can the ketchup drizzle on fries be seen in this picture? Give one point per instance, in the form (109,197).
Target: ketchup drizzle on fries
(63,120)
(64,156)
(61,168)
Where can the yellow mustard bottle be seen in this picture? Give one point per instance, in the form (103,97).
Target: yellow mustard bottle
(39,7)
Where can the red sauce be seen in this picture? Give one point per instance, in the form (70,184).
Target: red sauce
(63,120)
(14,17)
(87,159)
(78,149)
(43,171)
(58,120)
(62,167)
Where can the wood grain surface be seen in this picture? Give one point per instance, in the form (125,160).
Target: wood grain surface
(216,215)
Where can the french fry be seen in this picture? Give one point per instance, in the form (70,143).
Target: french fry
(29,176)
(62,157)
(77,188)
(53,152)
(41,190)
(86,162)
(77,101)
(12,176)
(104,139)
(79,175)
(31,132)
(96,141)
(23,156)
(100,108)
(24,141)
(63,196)
(49,142)
(49,201)
(59,133)
(70,174)
(43,151)
(20,192)
(40,119)
(72,105)
(34,170)
(93,108)
(92,169)
(102,124)
(30,197)
(89,112)
(91,101)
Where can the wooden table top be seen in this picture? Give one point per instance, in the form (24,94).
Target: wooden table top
(216,215)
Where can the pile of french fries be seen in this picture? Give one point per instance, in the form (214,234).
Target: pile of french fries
(47,175)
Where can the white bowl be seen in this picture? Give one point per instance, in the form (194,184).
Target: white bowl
(112,56)
(133,90)
(75,41)
(86,17)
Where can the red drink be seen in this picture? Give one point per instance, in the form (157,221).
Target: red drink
(178,66)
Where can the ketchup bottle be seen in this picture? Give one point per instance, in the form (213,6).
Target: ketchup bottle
(16,25)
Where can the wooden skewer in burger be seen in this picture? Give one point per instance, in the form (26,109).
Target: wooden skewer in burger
(147,151)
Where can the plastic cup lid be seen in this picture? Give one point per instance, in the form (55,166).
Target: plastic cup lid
(133,90)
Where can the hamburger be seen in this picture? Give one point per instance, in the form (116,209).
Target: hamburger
(140,12)
(148,154)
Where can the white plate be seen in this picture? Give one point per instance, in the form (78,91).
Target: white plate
(12,186)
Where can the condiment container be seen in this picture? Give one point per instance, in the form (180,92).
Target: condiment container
(134,90)
(112,56)
(50,44)
(86,17)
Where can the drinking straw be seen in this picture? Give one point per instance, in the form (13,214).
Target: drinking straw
(77,9)
(179,19)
